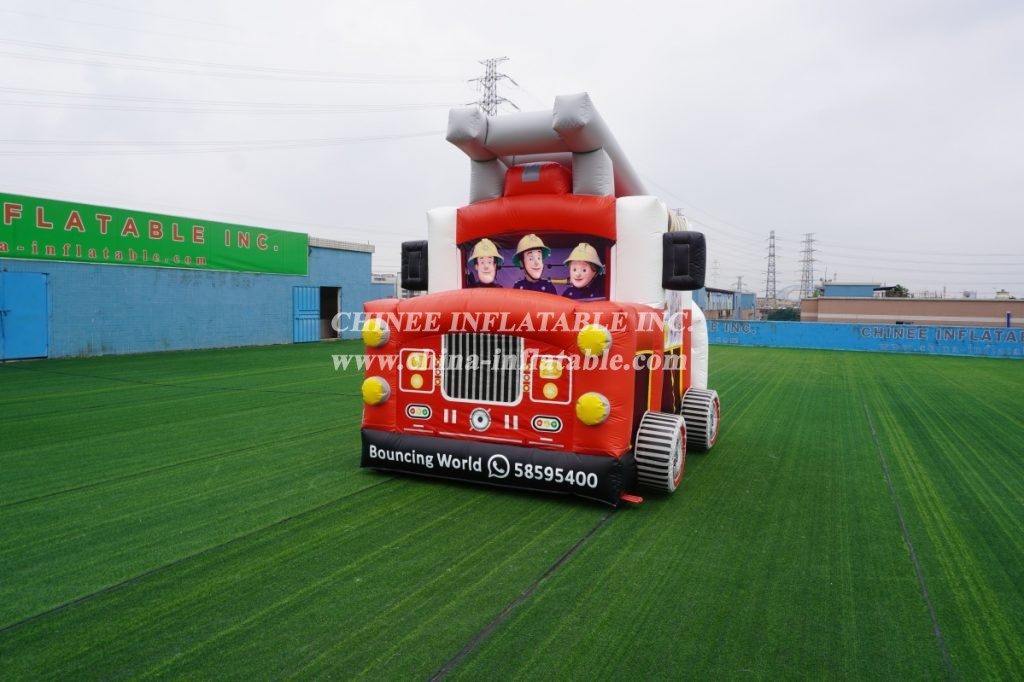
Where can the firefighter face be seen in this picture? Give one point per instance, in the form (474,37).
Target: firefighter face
(581,273)
(533,264)
(485,269)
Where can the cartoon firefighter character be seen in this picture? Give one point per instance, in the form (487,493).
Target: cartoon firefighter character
(584,267)
(485,261)
(530,256)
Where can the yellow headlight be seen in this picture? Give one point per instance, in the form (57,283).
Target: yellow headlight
(592,408)
(416,381)
(375,332)
(550,391)
(594,339)
(550,368)
(375,390)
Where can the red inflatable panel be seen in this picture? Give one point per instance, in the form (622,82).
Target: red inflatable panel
(542,321)
(538,178)
(581,214)
(651,339)
(382,416)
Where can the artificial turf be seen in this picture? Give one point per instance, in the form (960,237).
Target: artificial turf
(203,515)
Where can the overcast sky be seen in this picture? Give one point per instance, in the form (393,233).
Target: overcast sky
(893,131)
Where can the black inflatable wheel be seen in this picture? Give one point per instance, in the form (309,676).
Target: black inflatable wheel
(702,413)
(660,450)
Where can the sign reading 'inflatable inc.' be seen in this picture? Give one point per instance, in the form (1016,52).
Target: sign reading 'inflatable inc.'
(47,229)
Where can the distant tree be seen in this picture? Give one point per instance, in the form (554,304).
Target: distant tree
(785,315)
(898,291)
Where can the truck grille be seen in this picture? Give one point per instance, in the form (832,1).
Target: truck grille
(482,367)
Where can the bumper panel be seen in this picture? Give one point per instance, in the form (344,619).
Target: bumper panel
(598,478)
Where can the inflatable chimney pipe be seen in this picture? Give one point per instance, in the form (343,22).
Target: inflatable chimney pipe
(494,143)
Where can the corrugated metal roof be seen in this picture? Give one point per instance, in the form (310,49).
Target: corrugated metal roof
(339,245)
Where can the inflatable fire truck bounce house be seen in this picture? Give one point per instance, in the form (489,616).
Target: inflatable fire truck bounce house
(558,347)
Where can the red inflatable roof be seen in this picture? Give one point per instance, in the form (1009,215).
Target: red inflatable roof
(574,213)
(538,178)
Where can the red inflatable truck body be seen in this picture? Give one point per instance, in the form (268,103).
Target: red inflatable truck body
(558,348)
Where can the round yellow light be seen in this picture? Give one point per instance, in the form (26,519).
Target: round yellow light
(375,390)
(592,408)
(375,332)
(416,361)
(550,368)
(416,381)
(594,339)
(550,391)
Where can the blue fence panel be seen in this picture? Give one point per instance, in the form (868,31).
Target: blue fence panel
(1001,342)
(306,306)
(24,315)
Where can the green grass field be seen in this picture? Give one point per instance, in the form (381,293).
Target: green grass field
(203,515)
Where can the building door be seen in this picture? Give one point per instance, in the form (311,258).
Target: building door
(330,306)
(306,307)
(24,315)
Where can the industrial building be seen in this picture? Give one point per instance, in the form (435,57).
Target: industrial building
(724,304)
(78,280)
(968,312)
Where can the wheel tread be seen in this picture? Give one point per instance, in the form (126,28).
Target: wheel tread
(657,437)
(701,410)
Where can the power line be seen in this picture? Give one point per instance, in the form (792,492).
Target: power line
(956,254)
(195,67)
(238,108)
(204,147)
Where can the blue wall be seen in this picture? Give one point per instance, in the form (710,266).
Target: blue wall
(109,309)
(894,338)
(850,290)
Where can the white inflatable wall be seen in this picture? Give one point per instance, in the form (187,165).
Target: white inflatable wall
(699,344)
(443,268)
(636,256)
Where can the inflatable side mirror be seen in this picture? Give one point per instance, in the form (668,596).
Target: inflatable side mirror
(414,265)
(683,260)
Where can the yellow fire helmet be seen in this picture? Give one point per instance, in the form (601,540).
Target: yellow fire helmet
(529,243)
(588,253)
(485,247)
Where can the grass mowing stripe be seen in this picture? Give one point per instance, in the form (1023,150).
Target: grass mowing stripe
(65,456)
(251,606)
(272,610)
(774,559)
(189,392)
(50,383)
(968,545)
(192,557)
(167,467)
(482,636)
(530,553)
(43,454)
(940,640)
(412,599)
(192,385)
(73,544)
(778,557)
(490,576)
(991,477)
